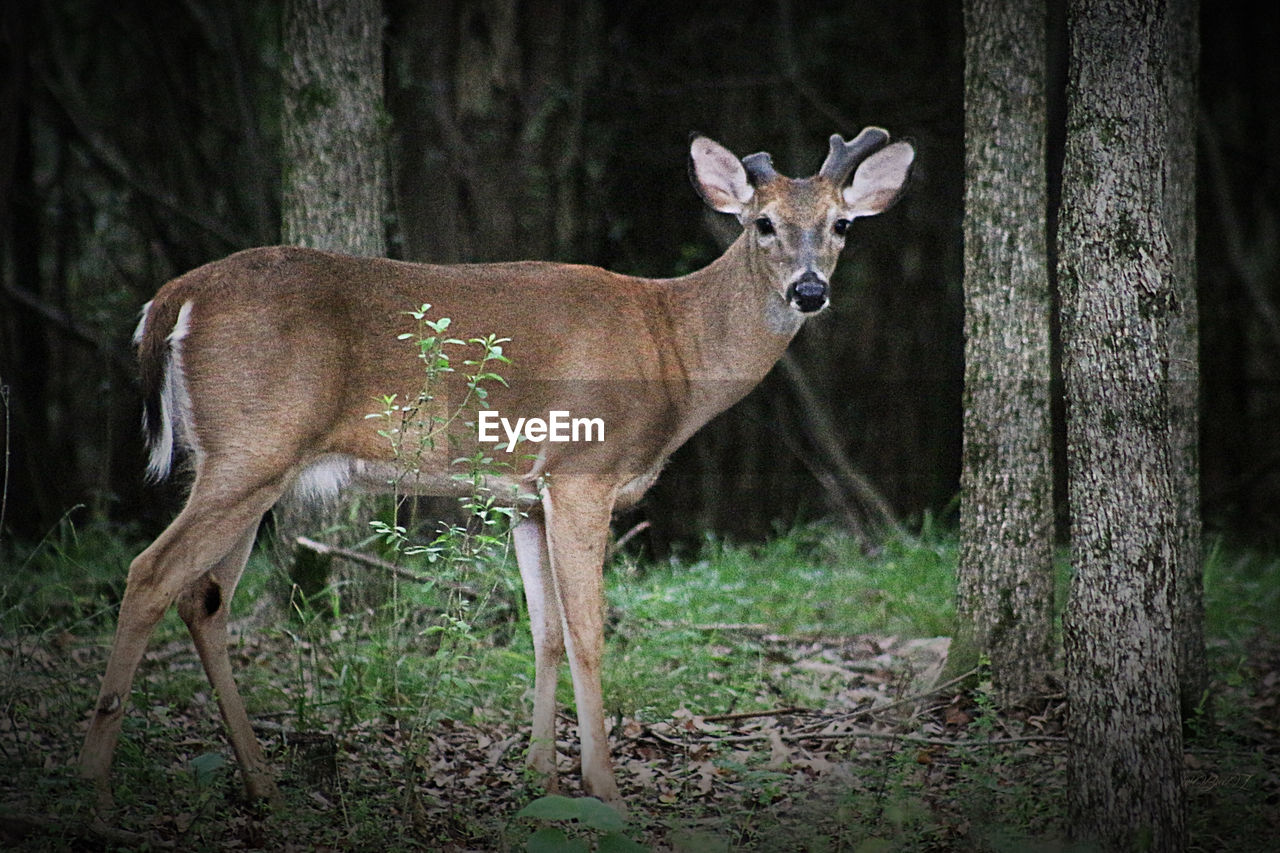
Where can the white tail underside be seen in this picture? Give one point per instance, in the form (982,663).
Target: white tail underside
(175,402)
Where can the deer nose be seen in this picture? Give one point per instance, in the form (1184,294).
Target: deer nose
(808,293)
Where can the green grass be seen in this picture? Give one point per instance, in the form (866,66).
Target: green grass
(691,635)
(1242,593)
(70,580)
(813,581)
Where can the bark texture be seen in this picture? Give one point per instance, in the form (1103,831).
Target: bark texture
(1005,602)
(1184,353)
(333,196)
(1125,766)
(333,131)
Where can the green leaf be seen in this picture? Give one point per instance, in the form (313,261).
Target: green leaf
(874,845)
(616,842)
(206,765)
(553,807)
(698,842)
(597,815)
(552,840)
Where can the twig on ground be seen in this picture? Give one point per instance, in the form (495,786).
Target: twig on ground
(902,736)
(17,826)
(906,700)
(625,538)
(373,562)
(748,715)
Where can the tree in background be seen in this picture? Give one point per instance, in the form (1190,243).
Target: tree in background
(133,153)
(334,180)
(1005,595)
(494,156)
(1125,764)
(1184,352)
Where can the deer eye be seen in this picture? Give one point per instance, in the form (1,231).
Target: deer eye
(764,225)
(841,226)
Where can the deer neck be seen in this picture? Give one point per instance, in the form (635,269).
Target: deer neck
(730,320)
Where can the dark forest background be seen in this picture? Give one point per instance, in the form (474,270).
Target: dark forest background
(138,140)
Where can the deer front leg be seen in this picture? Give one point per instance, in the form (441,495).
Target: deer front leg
(548,644)
(577,511)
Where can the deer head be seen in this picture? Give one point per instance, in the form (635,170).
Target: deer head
(797,227)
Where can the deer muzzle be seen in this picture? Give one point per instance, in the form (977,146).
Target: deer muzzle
(809,293)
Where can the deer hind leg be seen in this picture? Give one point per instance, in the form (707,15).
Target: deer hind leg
(212,524)
(530,538)
(204,607)
(577,511)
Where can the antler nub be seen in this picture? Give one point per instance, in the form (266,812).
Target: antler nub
(759,168)
(844,156)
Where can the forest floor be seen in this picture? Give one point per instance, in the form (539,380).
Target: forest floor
(844,741)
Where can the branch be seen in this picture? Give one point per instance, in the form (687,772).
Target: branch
(1250,275)
(362,559)
(625,538)
(19,826)
(751,715)
(74,330)
(75,107)
(914,697)
(751,629)
(907,738)
(842,479)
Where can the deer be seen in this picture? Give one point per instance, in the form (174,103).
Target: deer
(259,372)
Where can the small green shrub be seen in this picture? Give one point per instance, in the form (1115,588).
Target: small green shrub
(576,825)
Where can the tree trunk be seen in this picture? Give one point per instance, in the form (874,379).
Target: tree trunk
(335,166)
(1184,354)
(1005,603)
(1125,766)
(334,193)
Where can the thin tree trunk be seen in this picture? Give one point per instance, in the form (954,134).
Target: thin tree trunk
(1125,766)
(1005,602)
(334,193)
(335,165)
(1184,354)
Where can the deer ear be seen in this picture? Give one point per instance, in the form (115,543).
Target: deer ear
(718,176)
(879,180)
